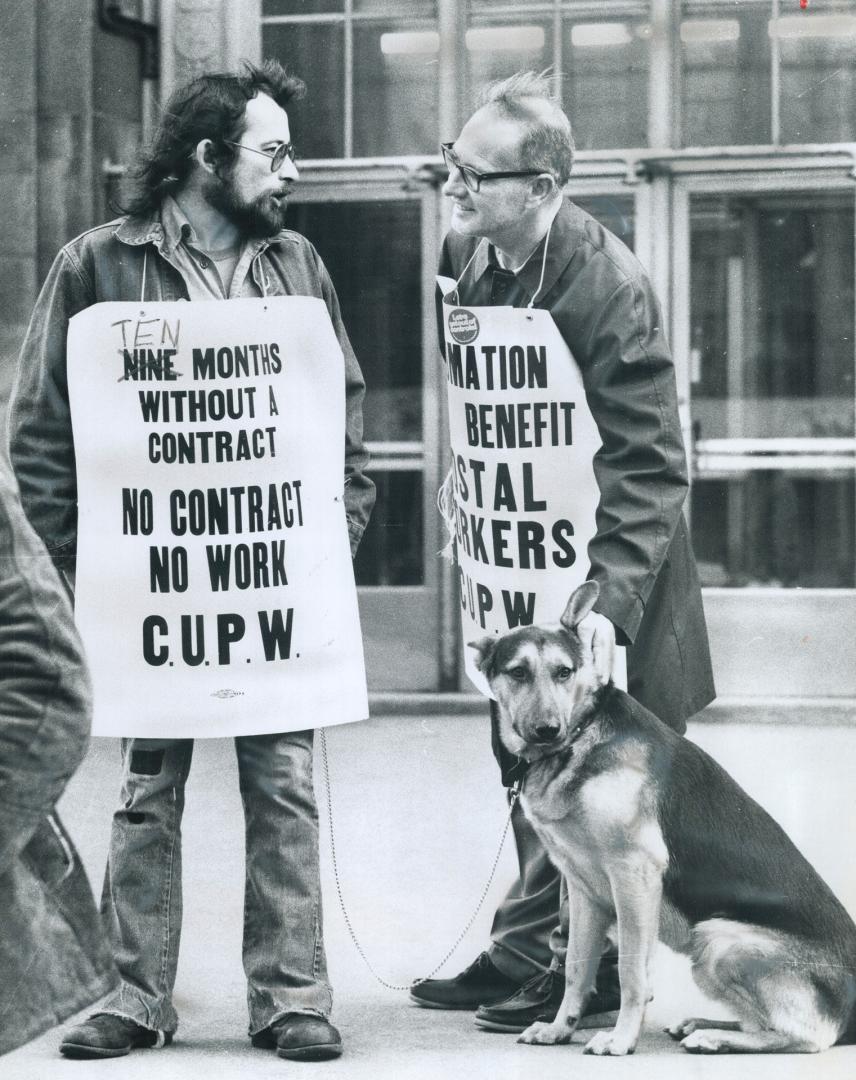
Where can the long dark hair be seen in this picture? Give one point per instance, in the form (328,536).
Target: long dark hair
(209,107)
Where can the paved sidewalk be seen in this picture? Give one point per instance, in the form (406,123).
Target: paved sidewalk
(418,817)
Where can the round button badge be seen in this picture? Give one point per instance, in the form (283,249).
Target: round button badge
(463,326)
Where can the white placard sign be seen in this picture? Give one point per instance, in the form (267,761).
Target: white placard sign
(524,491)
(214,590)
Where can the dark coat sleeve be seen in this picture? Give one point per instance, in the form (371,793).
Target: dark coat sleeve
(45,698)
(641,466)
(360,491)
(41,447)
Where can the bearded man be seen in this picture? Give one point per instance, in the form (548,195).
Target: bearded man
(206,224)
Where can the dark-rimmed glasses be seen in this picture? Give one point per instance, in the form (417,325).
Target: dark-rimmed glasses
(472,177)
(283,151)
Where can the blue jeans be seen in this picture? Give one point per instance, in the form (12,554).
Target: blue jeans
(283,947)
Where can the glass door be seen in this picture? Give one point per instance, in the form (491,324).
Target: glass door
(763,332)
(378,240)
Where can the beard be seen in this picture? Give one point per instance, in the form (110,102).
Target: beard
(257,219)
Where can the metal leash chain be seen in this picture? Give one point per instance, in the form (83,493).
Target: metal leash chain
(359,948)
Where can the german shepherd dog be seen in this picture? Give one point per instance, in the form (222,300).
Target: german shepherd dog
(648,829)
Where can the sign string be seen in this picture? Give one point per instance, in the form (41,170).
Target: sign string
(513,795)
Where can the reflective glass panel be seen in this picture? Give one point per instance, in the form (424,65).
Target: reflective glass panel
(497,50)
(424,8)
(605,83)
(395,89)
(484,7)
(784,529)
(772,315)
(772,357)
(373,251)
(726,88)
(315,53)
(301,7)
(818,72)
(616,212)
(390,552)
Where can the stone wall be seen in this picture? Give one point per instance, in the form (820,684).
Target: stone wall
(70,101)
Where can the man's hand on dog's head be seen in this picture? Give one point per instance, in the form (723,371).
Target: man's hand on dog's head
(597,634)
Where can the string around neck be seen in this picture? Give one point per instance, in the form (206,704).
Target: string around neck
(543,267)
(540,279)
(461,275)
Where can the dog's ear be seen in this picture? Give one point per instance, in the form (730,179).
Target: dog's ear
(484,649)
(580,604)
(603,652)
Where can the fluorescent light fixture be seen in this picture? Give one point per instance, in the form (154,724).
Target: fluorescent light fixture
(705,31)
(594,35)
(812,26)
(410,43)
(505,39)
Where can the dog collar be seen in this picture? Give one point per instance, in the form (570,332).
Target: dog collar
(517,773)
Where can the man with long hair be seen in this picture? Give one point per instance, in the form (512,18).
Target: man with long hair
(206,224)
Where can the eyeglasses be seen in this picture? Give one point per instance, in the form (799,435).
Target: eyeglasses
(472,177)
(283,151)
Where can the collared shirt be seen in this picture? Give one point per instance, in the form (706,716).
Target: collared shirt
(209,275)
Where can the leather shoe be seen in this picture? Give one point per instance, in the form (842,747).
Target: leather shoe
(104,1035)
(482,983)
(301,1037)
(540,998)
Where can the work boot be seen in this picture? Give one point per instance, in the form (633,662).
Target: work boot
(540,998)
(104,1035)
(482,983)
(300,1037)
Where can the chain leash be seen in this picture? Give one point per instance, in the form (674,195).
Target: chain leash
(515,792)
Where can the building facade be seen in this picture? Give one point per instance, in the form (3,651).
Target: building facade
(717,139)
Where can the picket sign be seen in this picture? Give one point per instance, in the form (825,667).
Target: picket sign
(214,587)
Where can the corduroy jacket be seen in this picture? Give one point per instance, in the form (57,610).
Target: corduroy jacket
(130,259)
(54,959)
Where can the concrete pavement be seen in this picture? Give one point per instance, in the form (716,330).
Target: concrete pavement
(418,815)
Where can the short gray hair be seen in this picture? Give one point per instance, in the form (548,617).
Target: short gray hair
(530,99)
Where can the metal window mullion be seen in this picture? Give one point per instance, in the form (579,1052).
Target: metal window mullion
(558,51)
(662,86)
(680,314)
(451,27)
(348,118)
(317,17)
(775,79)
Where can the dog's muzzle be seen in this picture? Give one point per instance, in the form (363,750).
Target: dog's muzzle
(544,734)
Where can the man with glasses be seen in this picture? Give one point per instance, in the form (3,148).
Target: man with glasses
(516,242)
(206,224)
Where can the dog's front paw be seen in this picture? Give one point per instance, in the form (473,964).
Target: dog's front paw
(608,1044)
(702,1042)
(541,1034)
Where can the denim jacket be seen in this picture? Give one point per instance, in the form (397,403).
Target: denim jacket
(54,959)
(130,259)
